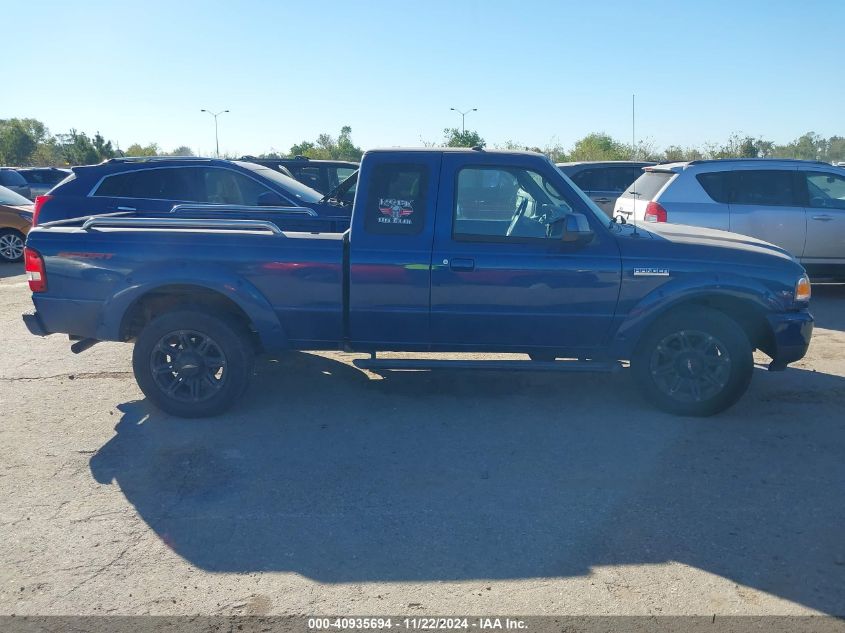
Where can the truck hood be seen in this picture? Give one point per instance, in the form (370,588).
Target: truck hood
(703,237)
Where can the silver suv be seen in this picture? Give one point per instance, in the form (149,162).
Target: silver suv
(796,204)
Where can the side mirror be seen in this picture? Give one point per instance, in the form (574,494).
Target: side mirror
(270,199)
(576,229)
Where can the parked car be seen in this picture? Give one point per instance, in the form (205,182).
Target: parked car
(320,175)
(796,204)
(42,179)
(13,181)
(15,222)
(604,180)
(449,250)
(159,183)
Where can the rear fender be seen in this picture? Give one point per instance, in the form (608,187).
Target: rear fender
(686,290)
(253,303)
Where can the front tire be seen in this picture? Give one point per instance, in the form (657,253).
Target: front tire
(11,245)
(191,364)
(694,362)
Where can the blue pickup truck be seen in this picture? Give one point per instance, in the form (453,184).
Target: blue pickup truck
(447,251)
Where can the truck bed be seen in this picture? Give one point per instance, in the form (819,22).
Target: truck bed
(289,266)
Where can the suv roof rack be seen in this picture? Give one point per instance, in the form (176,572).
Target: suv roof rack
(144,159)
(703,161)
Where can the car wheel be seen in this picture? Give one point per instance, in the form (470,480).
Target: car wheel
(191,364)
(11,245)
(694,362)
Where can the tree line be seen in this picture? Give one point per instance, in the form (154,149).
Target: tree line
(29,142)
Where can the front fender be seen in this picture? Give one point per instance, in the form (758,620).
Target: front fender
(214,278)
(686,289)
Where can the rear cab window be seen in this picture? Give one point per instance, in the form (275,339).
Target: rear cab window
(396,203)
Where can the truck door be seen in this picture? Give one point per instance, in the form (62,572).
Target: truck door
(390,250)
(501,276)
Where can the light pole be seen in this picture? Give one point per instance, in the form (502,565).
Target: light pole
(463,116)
(216,139)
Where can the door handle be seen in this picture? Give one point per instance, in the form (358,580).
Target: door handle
(460,264)
(822,218)
(126,208)
(603,200)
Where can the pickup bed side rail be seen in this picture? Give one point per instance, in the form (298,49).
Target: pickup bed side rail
(180,223)
(241,208)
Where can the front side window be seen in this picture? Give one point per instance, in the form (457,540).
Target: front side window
(772,187)
(224,186)
(396,202)
(338,174)
(826,191)
(507,202)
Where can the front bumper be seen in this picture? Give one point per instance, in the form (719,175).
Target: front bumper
(33,323)
(791,334)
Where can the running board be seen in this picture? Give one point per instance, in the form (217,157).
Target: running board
(388,364)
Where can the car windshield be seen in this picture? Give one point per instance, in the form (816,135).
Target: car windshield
(7,196)
(301,192)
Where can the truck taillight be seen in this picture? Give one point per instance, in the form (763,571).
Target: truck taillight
(35,272)
(655,213)
(39,202)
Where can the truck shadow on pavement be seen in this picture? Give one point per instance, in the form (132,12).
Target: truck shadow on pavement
(328,473)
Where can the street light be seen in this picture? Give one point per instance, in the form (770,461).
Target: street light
(463,116)
(216,139)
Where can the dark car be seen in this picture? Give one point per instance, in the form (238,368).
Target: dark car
(42,179)
(13,181)
(157,184)
(604,181)
(321,175)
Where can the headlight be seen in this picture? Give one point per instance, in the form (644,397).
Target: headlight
(802,289)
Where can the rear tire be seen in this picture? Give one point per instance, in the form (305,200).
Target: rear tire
(191,364)
(693,362)
(11,245)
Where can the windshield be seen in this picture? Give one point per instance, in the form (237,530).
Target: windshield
(7,196)
(301,192)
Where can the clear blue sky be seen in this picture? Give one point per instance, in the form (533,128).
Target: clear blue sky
(538,71)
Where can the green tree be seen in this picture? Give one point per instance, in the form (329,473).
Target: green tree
(136,149)
(182,150)
(327,147)
(600,146)
(453,137)
(104,148)
(17,142)
(77,148)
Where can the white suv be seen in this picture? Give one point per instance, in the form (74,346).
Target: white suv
(796,204)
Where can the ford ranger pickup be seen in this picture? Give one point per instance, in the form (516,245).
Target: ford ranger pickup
(447,251)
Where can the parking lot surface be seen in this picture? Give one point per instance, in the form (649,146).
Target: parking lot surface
(333,491)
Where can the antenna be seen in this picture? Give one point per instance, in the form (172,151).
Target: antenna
(634,156)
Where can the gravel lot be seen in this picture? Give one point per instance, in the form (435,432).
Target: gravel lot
(334,491)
